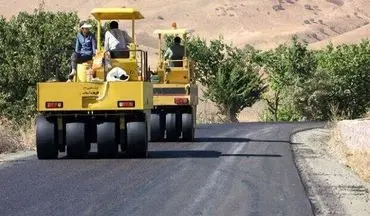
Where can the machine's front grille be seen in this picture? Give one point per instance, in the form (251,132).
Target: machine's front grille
(169,91)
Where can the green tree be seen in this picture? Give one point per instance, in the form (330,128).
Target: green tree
(229,74)
(286,66)
(35,47)
(348,69)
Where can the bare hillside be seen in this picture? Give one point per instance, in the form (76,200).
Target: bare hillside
(260,23)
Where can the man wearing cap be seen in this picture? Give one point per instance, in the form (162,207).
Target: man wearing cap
(85,48)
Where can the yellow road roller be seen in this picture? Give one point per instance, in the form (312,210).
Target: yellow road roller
(114,114)
(175,93)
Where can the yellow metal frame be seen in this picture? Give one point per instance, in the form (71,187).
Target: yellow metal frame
(116,14)
(162,32)
(129,64)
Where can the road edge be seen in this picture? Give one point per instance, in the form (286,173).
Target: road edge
(324,178)
(15,156)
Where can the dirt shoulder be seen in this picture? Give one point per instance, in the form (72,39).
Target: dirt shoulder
(332,187)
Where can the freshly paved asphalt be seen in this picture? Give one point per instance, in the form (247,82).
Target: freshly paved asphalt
(231,169)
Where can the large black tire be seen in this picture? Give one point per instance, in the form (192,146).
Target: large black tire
(107,140)
(172,133)
(156,128)
(187,127)
(46,140)
(76,140)
(137,139)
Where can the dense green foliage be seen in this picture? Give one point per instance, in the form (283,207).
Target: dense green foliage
(348,69)
(34,47)
(300,83)
(229,74)
(317,85)
(287,67)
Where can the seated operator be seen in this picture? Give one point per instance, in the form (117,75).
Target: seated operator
(176,53)
(116,40)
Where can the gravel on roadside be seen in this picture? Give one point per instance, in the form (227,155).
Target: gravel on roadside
(332,187)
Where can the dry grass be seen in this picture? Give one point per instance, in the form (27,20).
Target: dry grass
(204,117)
(367,115)
(207,113)
(360,162)
(357,160)
(15,138)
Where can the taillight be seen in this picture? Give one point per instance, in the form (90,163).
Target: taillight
(126,103)
(54,105)
(181,101)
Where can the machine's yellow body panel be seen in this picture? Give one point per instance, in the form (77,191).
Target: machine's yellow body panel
(95,96)
(178,75)
(83,69)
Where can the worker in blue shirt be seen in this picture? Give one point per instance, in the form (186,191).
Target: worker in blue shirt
(85,48)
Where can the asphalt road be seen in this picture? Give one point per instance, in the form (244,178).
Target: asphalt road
(234,169)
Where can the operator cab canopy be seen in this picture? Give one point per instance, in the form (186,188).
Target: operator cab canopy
(116,14)
(182,31)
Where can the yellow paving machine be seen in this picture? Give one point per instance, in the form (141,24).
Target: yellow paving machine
(175,92)
(113,114)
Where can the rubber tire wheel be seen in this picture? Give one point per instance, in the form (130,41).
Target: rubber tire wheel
(156,128)
(106,139)
(187,127)
(137,139)
(46,140)
(172,134)
(76,140)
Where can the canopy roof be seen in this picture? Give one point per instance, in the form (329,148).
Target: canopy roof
(116,14)
(173,31)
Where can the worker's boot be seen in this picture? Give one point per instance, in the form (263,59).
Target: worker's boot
(71,75)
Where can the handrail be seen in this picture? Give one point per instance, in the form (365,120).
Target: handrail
(143,62)
(166,66)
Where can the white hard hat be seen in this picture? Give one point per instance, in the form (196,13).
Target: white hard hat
(84,24)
